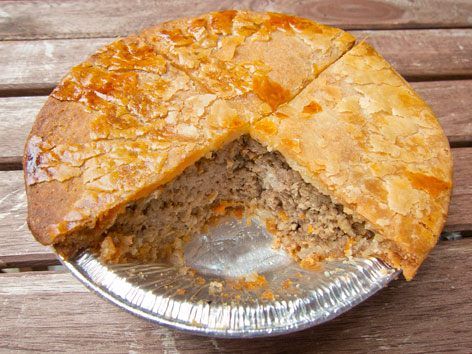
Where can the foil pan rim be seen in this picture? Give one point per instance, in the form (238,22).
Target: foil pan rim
(372,276)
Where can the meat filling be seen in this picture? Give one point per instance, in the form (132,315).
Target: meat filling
(243,179)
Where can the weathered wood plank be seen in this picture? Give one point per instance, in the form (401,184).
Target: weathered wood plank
(17,115)
(422,54)
(416,54)
(52,312)
(17,245)
(462,192)
(450,100)
(81,19)
(39,65)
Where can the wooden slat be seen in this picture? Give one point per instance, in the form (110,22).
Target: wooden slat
(80,19)
(17,115)
(460,217)
(39,65)
(52,312)
(416,54)
(450,100)
(18,247)
(422,54)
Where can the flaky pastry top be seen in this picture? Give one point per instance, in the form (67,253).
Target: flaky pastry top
(360,133)
(143,108)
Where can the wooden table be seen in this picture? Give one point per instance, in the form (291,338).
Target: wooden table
(429,42)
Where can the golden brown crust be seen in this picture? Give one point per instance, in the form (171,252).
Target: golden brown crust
(360,133)
(226,51)
(142,109)
(133,116)
(46,208)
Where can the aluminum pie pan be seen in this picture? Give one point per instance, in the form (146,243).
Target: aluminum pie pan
(234,285)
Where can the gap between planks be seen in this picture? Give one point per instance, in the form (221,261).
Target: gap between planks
(10,163)
(430,314)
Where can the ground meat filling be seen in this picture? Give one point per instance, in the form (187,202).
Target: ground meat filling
(244,179)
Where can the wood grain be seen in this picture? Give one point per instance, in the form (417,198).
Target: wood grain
(424,54)
(17,246)
(416,54)
(53,312)
(39,65)
(461,192)
(85,19)
(17,243)
(17,115)
(450,101)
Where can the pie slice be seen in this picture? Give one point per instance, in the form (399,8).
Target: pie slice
(157,136)
(360,134)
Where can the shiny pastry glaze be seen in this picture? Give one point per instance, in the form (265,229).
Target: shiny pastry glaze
(125,83)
